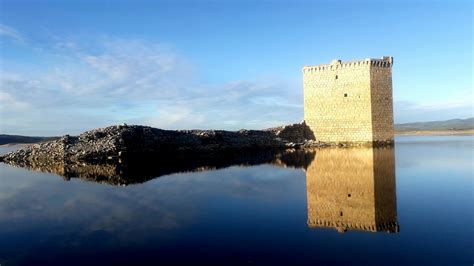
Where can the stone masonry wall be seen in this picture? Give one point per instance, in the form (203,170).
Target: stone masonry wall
(382,103)
(349,101)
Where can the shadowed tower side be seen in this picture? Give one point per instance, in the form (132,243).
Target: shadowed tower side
(352,189)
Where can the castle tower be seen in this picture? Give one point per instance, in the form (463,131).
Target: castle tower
(352,189)
(350,101)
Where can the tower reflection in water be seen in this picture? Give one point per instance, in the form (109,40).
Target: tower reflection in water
(352,189)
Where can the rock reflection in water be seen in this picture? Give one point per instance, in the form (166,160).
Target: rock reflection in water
(352,189)
(141,169)
(347,188)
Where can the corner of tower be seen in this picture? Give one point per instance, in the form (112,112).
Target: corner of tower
(388,59)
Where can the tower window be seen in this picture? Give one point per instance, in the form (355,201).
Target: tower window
(341,213)
(348,195)
(345,94)
(336,77)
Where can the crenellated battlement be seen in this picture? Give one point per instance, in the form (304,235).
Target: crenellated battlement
(384,62)
(341,226)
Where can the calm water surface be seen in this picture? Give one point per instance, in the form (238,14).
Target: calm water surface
(408,205)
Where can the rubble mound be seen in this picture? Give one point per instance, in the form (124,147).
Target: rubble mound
(111,144)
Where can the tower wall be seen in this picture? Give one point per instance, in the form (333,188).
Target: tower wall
(349,101)
(382,103)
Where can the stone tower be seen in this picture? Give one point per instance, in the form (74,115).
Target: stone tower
(350,101)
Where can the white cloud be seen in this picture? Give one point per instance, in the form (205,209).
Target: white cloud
(457,105)
(8,101)
(137,82)
(10,32)
(459,99)
(178,117)
(83,85)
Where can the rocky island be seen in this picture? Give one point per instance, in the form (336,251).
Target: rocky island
(127,154)
(116,143)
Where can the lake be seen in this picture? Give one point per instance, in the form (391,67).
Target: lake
(412,204)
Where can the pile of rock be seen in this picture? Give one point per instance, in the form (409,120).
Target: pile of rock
(114,143)
(298,134)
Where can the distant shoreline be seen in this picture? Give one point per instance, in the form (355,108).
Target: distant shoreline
(466,132)
(16,144)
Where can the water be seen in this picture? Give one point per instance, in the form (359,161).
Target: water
(408,205)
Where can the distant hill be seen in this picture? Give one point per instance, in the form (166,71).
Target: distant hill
(10,139)
(453,124)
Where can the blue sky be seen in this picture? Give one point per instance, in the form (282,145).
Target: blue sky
(69,66)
